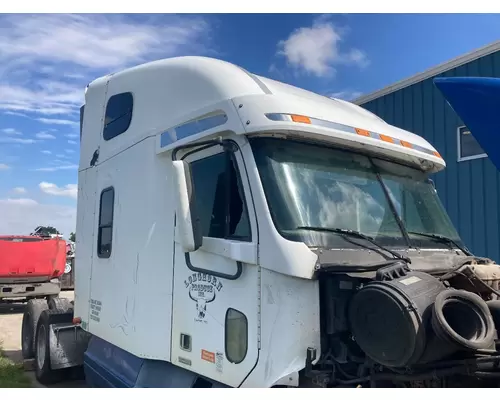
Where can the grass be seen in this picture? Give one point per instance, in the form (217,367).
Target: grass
(12,375)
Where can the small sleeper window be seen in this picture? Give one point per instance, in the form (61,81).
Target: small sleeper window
(105,229)
(118,115)
(82,112)
(236,336)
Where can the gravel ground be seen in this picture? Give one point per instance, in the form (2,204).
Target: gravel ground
(11,316)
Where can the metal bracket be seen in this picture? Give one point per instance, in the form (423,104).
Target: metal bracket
(319,378)
(68,343)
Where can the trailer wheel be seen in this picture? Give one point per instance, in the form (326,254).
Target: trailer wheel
(30,320)
(59,303)
(43,371)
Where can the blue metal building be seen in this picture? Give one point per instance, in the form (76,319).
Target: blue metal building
(469,187)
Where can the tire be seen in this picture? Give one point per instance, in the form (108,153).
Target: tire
(43,371)
(34,309)
(59,303)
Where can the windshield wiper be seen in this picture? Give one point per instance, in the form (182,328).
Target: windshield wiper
(357,234)
(443,239)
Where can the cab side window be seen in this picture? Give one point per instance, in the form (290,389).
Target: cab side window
(105,227)
(219,198)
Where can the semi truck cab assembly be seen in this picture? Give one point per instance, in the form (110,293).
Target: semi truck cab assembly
(235,231)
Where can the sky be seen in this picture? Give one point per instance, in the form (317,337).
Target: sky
(46,60)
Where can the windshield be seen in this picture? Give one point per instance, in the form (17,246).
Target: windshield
(307,185)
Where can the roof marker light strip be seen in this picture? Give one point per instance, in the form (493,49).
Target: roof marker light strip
(346,128)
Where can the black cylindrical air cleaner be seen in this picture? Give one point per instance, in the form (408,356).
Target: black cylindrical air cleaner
(415,319)
(389,318)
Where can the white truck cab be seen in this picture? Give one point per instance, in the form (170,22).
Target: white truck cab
(236,231)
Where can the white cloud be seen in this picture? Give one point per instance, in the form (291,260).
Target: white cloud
(72,142)
(46,152)
(12,140)
(317,49)
(55,121)
(37,51)
(19,190)
(346,95)
(4,167)
(21,216)
(11,131)
(44,135)
(72,135)
(97,41)
(46,98)
(70,190)
(74,76)
(69,151)
(17,114)
(57,168)
(23,201)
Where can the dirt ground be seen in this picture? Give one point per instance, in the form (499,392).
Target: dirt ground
(11,316)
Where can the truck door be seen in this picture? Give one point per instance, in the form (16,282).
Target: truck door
(85,225)
(215,327)
(91,115)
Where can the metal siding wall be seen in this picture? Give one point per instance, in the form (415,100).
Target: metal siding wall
(470,190)
(478,190)
(457,202)
(463,176)
(490,66)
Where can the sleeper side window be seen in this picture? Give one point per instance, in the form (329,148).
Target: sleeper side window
(118,115)
(219,198)
(82,112)
(105,229)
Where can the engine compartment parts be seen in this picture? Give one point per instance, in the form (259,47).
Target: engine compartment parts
(388,325)
(416,319)
(463,319)
(494,306)
(387,318)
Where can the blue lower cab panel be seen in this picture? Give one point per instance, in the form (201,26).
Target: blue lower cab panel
(106,366)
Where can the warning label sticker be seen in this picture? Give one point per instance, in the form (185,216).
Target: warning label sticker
(208,356)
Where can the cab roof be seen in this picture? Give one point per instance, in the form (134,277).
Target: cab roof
(171,92)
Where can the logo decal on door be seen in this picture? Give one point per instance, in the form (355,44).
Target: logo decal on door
(203,289)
